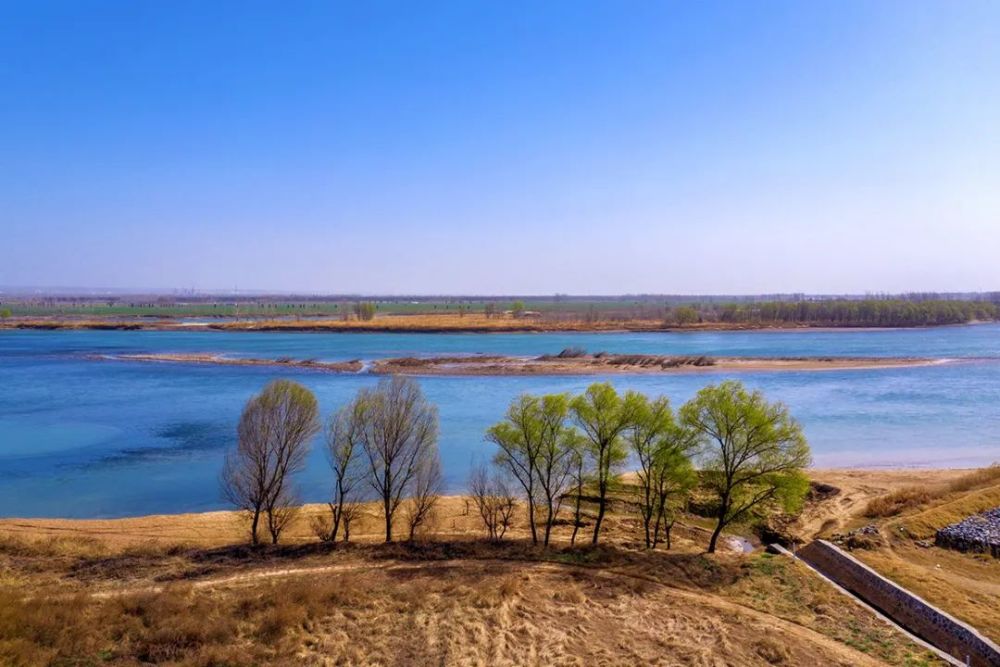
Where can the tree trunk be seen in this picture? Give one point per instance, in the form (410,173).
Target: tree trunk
(254,540)
(531,519)
(388,520)
(723,511)
(576,519)
(715,537)
(600,517)
(548,524)
(337,513)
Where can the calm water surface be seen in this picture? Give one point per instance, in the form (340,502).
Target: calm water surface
(87,438)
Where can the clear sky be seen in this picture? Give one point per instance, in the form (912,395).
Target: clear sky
(501,147)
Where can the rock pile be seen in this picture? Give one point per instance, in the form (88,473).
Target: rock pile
(866,537)
(979,533)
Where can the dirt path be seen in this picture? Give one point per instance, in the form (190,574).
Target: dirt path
(709,601)
(856,489)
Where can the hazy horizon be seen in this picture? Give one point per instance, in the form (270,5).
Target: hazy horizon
(515,149)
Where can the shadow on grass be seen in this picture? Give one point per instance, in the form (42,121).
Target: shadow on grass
(163,565)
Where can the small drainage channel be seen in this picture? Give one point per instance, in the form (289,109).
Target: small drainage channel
(880,613)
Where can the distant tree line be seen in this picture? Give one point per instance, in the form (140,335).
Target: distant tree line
(556,455)
(838,313)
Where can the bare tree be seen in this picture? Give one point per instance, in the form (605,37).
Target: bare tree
(427,484)
(280,510)
(344,447)
(494,501)
(272,444)
(399,427)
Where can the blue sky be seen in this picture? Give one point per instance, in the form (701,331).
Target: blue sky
(504,147)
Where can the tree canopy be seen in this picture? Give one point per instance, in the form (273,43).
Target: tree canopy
(753,453)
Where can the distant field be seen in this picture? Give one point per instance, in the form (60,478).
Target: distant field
(315,308)
(586,312)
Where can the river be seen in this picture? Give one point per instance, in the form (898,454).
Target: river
(86,438)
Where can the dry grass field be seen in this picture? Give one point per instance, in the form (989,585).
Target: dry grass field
(182,590)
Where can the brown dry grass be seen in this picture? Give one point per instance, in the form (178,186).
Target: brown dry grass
(852,490)
(913,497)
(172,590)
(461,604)
(897,502)
(924,523)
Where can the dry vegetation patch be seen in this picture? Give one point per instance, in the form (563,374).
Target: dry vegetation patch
(457,602)
(965,585)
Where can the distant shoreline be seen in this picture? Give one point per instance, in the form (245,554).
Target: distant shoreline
(584,364)
(422,324)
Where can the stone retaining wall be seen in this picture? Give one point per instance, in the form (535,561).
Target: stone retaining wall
(908,610)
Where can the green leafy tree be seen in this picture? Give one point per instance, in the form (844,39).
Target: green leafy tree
(517,309)
(579,478)
(534,448)
(663,449)
(673,476)
(365,310)
(684,315)
(754,453)
(555,456)
(602,416)
(5,313)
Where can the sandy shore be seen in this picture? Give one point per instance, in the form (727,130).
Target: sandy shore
(497,365)
(855,487)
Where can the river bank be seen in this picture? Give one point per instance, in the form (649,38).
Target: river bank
(444,323)
(856,486)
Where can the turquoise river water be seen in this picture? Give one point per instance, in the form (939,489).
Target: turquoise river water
(81,437)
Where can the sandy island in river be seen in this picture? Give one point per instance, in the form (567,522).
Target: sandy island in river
(580,364)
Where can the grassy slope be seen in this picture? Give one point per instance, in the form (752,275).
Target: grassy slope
(965,585)
(168,590)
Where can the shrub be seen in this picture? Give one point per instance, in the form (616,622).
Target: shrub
(976,478)
(897,502)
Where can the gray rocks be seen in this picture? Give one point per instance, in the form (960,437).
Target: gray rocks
(979,533)
(866,537)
